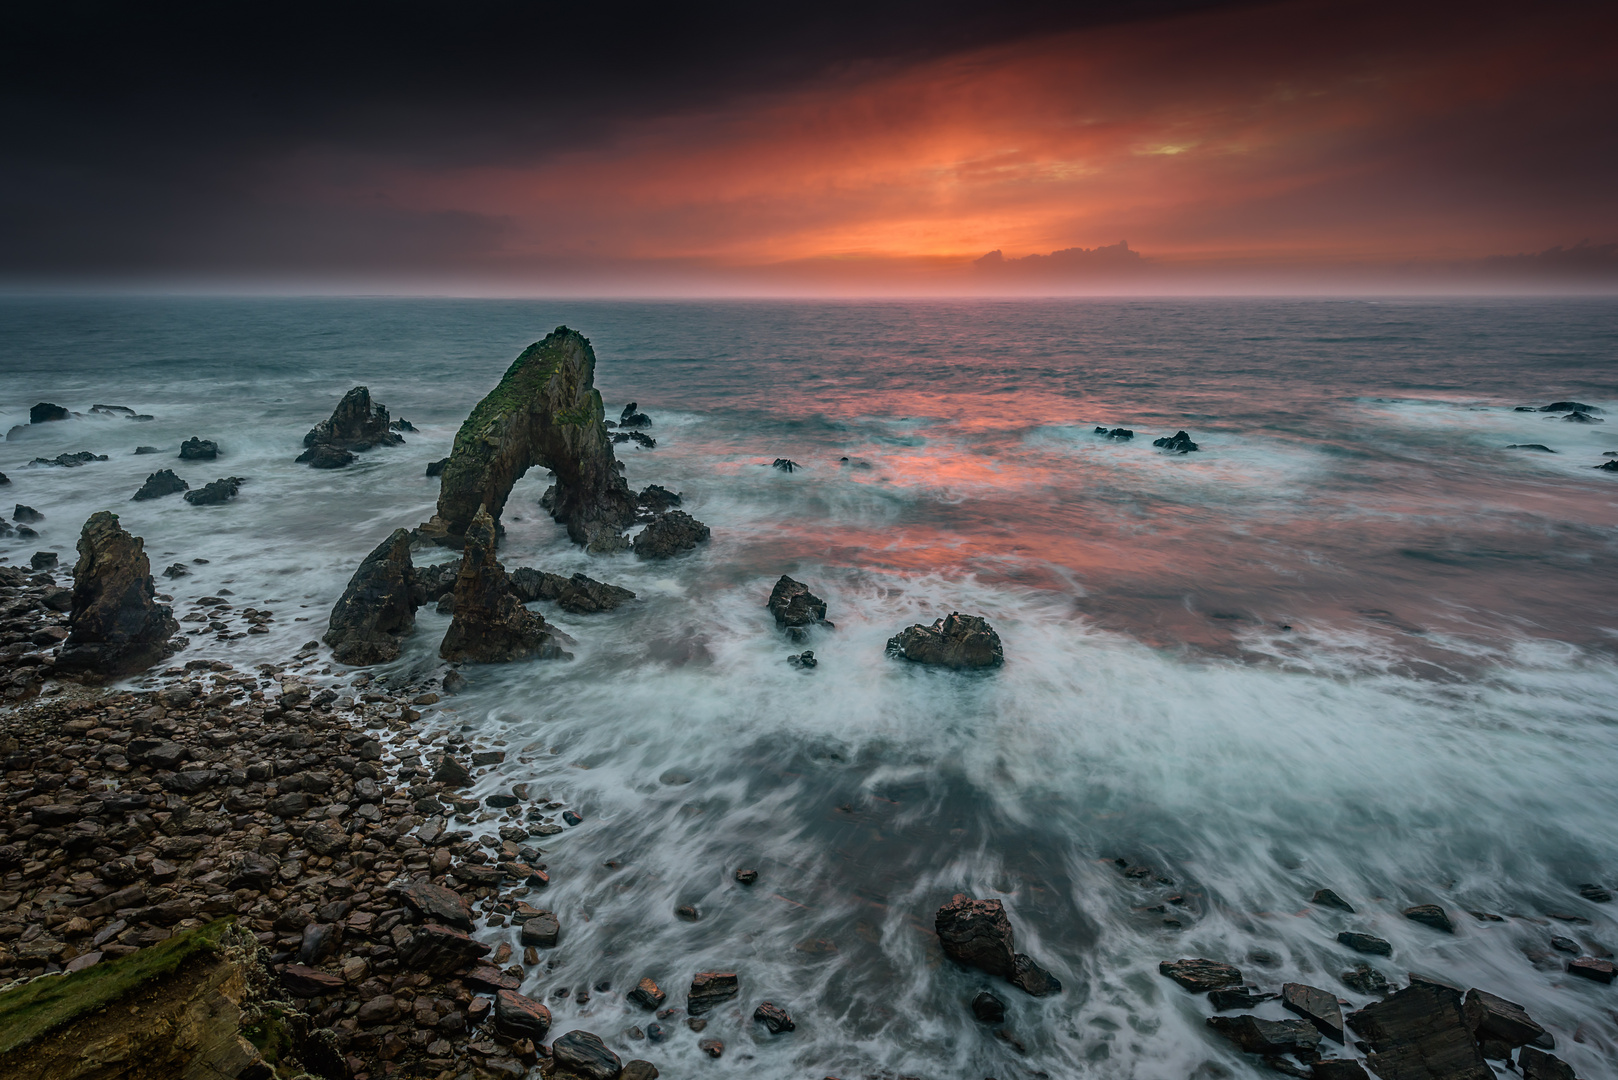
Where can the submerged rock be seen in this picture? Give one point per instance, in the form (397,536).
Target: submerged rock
(1116,433)
(221,490)
(793,604)
(977,934)
(545,412)
(1366,979)
(632,417)
(356,424)
(579,594)
(785,464)
(989,1008)
(639,437)
(194,449)
(160,483)
(147,450)
(45,412)
(1607,466)
(116,627)
(1329,898)
(1178,443)
(958,641)
(669,534)
(70,461)
(1430,915)
(1530,446)
(378,608)
(490,625)
(773,1017)
(1420,1032)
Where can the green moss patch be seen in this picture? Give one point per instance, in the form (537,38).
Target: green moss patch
(45,1004)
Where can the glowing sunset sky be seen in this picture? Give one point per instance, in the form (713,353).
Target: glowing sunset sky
(848,149)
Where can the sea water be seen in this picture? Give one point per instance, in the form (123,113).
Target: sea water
(1352,642)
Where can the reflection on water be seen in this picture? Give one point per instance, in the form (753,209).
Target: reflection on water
(1353,642)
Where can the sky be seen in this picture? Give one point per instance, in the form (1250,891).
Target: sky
(514,148)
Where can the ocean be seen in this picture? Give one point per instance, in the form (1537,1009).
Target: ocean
(1352,642)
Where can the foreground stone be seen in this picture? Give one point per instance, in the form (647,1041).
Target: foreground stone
(117,627)
(1421,1033)
(583,1055)
(378,609)
(545,412)
(959,642)
(1316,1006)
(490,624)
(1259,1036)
(519,1017)
(977,934)
(1494,1019)
(356,424)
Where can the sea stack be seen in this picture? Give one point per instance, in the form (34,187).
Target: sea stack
(378,608)
(117,627)
(490,624)
(356,424)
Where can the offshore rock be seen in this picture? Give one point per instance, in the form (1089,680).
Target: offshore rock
(1258,1036)
(1178,443)
(195,449)
(654,500)
(632,417)
(639,437)
(45,412)
(1329,898)
(70,461)
(1569,406)
(378,608)
(326,457)
(959,641)
(793,604)
(669,534)
(160,483)
(26,514)
(221,490)
(1421,1033)
(357,423)
(116,626)
(976,933)
(579,594)
(545,412)
(490,624)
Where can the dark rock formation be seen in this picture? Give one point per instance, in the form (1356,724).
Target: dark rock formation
(402,424)
(436,468)
(194,449)
(27,514)
(709,990)
(579,594)
(147,450)
(793,604)
(221,490)
(1538,1065)
(1530,446)
(519,1017)
(1569,406)
(160,483)
(1116,433)
(45,412)
(1316,1006)
(1430,915)
(356,424)
(176,570)
(4,479)
(1493,1018)
(1178,443)
(640,438)
(1201,976)
(70,461)
(1329,898)
(977,934)
(988,1008)
(1585,967)
(1582,418)
(1365,943)
(669,534)
(490,624)
(805,660)
(545,412)
(116,627)
(959,641)
(43,560)
(785,464)
(1420,1033)
(631,417)
(583,1055)
(1607,466)
(1257,1036)
(379,606)
(1595,894)
(654,500)
(774,1017)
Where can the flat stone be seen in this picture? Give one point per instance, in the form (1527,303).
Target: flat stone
(1365,943)
(1589,967)
(1259,1036)
(1420,1033)
(382,1009)
(519,1017)
(1430,915)
(439,950)
(1200,976)
(542,931)
(436,903)
(1328,898)
(710,989)
(1316,1006)
(585,1055)
(1495,1018)
(490,979)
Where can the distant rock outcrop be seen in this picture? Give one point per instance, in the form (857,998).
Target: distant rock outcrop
(219,491)
(195,449)
(116,626)
(490,624)
(1178,443)
(579,594)
(378,608)
(959,641)
(45,412)
(669,534)
(793,605)
(545,412)
(160,483)
(356,424)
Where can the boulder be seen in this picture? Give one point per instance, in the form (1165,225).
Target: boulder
(1494,1018)
(160,483)
(1366,979)
(958,642)
(773,1017)
(221,490)
(648,995)
(45,412)
(1259,1036)
(1585,967)
(1607,466)
(1365,943)
(709,990)
(1581,418)
(655,499)
(1240,998)
(434,903)
(356,424)
(668,534)
(29,514)
(1420,1033)
(1178,443)
(785,465)
(519,1017)
(542,931)
(1538,1065)
(545,412)
(116,626)
(43,560)
(579,594)
(326,457)
(583,1055)
(1201,976)
(438,950)
(1316,1006)
(1328,898)
(639,1070)
(1430,915)
(1569,406)
(977,934)
(1116,433)
(195,449)
(490,624)
(793,604)
(378,609)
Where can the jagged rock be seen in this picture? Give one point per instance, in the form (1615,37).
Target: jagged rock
(45,412)
(639,437)
(70,461)
(1538,1065)
(1494,1018)
(793,604)
(1200,976)
(1316,1006)
(632,417)
(435,582)
(1178,443)
(1032,979)
(648,995)
(989,1008)
(356,424)
(669,534)
(1116,433)
(194,449)
(977,934)
(160,483)
(147,450)
(326,457)
(959,641)
(578,594)
(116,627)
(774,1017)
(1258,1036)
(436,904)
(114,410)
(656,499)
(710,989)
(438,950)
(4,479)
(1430,915)
(378,608)
(220,491)
(804,660)
(402,424)
(519,1017)
(1365,943)
(490,624)
(583,1055)
(26,513)
(1328,898)
(545,412)
(785,464)
(1607,466)
(1420,1033)
(436,468)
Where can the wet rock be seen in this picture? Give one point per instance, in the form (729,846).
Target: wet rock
(774,1017)
(436,468)
(1328,898)
(221,490)
(160,483)
(70,461)
(542,931)
(647,994)
(303,981)
(452,772)
(326,457)
(1241,998)
(490,624)
(194,449)
(1200,976)
(793,604)
(579,594)
(1032,979)
(989,1008)
(1607,466)
(1538,1065)
(356,424)
(116,627)
(320,940)
(519,1017)
(545,412)
(639,1070)
(45,412)
(1420,1033)
(147,450)
(977,934)
(571,818)
(43,560)
(436,904)
(785,464)
(1115,433)
(1569,406)
(710,989)
(438,950)
(669,534)
(655,499)
(1430,915)
(1316,1006)
(638,437)
(1337,1069)
(1592,968)
(712,1047)
(632,417)
(1494,1018)
(1366,979)
(1178,443)
(1595,894)
(687,913)
(26,514)
(804,660)
(1258,1036)
(324,838)
(1581,418)
(1531,446)
(747,876)
(584,1055)
(378,609)
(1365,943)
(957,642)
